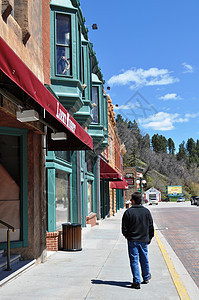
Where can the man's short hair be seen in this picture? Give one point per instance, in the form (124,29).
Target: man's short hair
(137,197)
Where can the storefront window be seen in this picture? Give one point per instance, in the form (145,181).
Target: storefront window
(83,75)
(63,44)
(89,163)
(10,186)
(65,155)
(90,197)
(95,102)
(62,198)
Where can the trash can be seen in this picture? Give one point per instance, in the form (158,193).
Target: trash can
(128,202)
(72,237)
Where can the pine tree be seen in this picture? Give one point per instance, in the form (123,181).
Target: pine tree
(182,153)
(192,152)
(159,143)
(119,119)
(171,146)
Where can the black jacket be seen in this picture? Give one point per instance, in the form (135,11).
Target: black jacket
(137,224)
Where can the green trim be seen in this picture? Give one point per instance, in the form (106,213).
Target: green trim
(22,133)
(51,192)
(119,199)
(68,88)
(83,215)
(90,176)
(74,208)
(58,164)
(52,164)
(104,198)
(94,185)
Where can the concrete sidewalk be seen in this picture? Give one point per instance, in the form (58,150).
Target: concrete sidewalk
(100,271)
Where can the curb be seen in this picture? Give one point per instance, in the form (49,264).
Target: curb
(186,287)
(17,273)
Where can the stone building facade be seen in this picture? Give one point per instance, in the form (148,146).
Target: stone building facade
(21,146)
(113,154)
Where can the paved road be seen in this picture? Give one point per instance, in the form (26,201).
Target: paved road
(178,222)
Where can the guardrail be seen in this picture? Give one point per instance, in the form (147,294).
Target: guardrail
(8,242)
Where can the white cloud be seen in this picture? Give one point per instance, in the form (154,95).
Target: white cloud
(162,121)
(187,68)
(140,77)
(192,115)
(172,96)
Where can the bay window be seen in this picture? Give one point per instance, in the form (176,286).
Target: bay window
(95,102)
(63,44)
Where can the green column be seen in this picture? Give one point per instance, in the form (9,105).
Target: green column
(95,188)
(51,189)
(122,199)
(102,198)
(74,206)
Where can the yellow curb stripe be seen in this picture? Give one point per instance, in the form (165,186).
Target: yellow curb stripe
(176,279)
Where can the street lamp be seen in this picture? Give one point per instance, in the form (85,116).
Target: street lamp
(141,181)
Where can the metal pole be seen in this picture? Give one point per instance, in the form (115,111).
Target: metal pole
(141,189)
(8,250)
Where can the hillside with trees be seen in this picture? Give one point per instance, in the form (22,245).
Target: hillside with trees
(163,164)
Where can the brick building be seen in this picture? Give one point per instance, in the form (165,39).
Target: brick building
(31,118)
(113,195)
(55,121)
(21,155)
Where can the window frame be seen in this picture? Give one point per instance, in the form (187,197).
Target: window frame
(91,202)
(83,71)
(67,177)
(22,134)
(56,44)
(98,106)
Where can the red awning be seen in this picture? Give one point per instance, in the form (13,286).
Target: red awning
(121,185)
(107,172)
(13,67)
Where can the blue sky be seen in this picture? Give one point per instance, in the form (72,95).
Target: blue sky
(148,51)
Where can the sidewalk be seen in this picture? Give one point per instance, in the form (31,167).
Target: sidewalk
(100,271)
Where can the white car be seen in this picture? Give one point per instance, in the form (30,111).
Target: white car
(153,201)
(181,199)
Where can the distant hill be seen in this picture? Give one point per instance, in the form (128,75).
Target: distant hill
(161,166)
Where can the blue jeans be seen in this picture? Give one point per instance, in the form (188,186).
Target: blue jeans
(138,253)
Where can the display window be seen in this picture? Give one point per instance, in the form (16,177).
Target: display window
(13,178)
(62,180)
(90,196)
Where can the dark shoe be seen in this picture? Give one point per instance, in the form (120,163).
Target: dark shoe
(135,285)
(147,281)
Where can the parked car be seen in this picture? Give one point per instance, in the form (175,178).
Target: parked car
(167,199)
(181,199)
(153,201)
(194,200)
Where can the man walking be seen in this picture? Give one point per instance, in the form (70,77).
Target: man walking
(137,227)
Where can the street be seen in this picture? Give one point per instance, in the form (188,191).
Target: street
(178,222)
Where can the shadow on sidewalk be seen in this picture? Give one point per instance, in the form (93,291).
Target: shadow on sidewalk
(125,284)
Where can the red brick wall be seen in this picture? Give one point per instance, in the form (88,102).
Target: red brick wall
(91,219)
(52,241)
(46,40)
